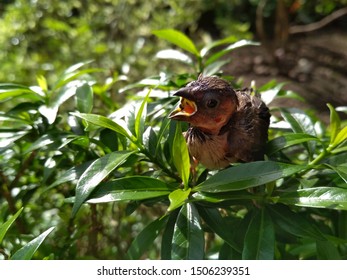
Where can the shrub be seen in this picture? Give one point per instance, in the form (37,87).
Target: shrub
(98,176)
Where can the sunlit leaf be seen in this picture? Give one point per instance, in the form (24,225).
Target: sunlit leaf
(48,139)
(8,138)
(188,239)
(72,73)
(174,55)
(50,110)
(228,49)
(269,94)
(84,98)
(95,173)
(214,67)
(177,38)
(180,155)
(41,80)
(259,241)
(129,188)
(177,198)
(340,137)
(5,226)
(146,238)
(335,123)
(206,49)
(27,251)
(319,197)
(141,117)
(106,123)
(8,91)
(248,175)
(153,82)
(300,123)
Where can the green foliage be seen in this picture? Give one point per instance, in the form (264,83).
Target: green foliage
(116,181)
(43,37)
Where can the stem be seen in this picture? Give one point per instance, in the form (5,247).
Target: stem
(318,158)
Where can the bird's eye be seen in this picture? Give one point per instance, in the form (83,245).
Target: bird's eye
(212,103)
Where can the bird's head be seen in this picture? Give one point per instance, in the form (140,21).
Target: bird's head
(207,103)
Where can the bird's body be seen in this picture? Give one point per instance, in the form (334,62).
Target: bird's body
(226,126)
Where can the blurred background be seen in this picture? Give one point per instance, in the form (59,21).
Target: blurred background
(303,42)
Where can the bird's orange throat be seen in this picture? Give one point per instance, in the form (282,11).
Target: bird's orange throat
(185,108)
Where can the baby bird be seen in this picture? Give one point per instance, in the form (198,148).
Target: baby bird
(226,125)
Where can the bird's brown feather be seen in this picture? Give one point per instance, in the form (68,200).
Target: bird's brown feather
(232,128)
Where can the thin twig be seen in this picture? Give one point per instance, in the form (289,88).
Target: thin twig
(319,24)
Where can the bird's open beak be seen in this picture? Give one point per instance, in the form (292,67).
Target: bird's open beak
(185,108)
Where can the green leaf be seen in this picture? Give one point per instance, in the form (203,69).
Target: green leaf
(50,110)
(48,139)
(222,196)
(177,38)
(180,155)
(341,170)
(71,73)
(340,137)
(174,55)
(141,117)
(259,241)
(326,250)
(150,140)
(216,223)
(5,226)
(188,238)
(8,138)
(129,188)
(214,67)
(146,238)
(270,91)
(109,138)
(84,98)
(320,197)
(177,198)
(299,121)
(106,123)
(335,123)
(8,91)
(294,223)
(95,173)
(208,47)
(27,251)
(288,140)
(248,175)
(70,175)
(41,80)
(228,49)
(166,241)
